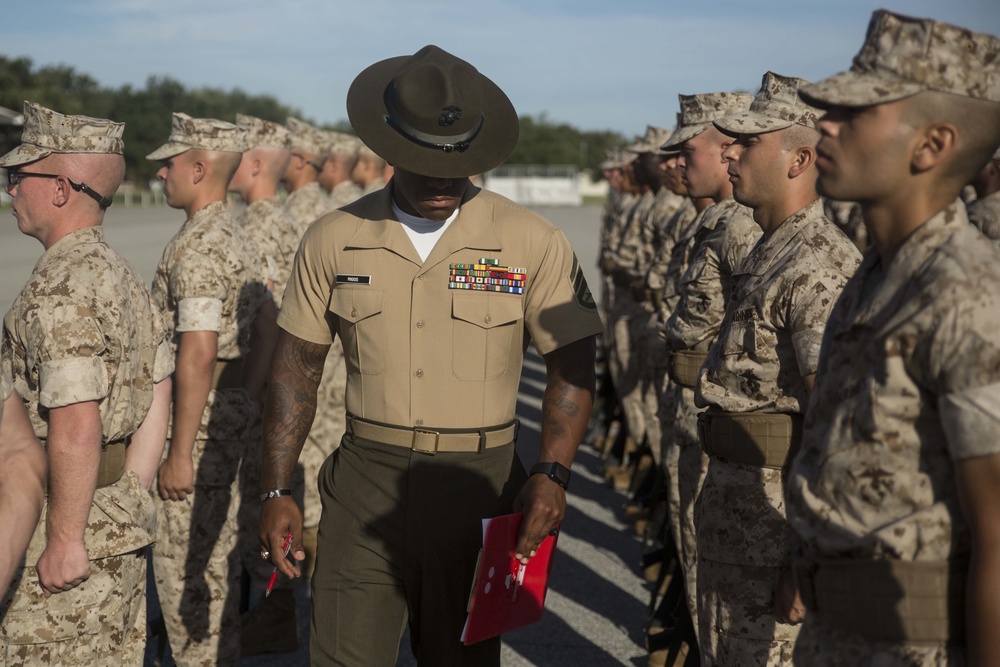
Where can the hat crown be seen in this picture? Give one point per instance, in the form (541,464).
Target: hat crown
(934,55)
(260,132)
(438,95)
(70,134)
(706,107)
(779,98)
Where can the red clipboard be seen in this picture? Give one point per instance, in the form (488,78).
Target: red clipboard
(505,594)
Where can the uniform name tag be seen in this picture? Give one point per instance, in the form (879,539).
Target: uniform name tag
(354,280)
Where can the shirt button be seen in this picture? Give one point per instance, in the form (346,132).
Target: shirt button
(419,422)
(487,319)
(419,373)
(421,277)
(354,312)
(420,324)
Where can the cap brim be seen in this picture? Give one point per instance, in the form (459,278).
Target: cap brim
(366,110)
(850,89)
(683,134)
(168,150)
(750,122)
(24,154)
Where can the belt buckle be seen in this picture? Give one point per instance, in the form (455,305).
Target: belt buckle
(417,439)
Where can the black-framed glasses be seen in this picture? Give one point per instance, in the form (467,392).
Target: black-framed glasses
(317,167)
(15,176)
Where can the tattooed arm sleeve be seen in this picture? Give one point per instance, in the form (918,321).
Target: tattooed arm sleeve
(568,398)
(296,369)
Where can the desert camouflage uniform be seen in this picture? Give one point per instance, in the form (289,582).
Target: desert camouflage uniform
(308,203)
(208,280)
(268,225)
(6,385)
(847,216)
(83,329)
(344,193)
(907,384)
(725,235)
(623,204)
(984,214)
(628,320)
(769,340)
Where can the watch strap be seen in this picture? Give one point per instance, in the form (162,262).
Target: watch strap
(555,471)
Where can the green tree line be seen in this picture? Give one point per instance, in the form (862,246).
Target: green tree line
(146,114)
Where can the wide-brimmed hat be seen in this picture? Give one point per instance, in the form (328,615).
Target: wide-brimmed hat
(203,133)
(777,106)
(47,131)
(433,114)
(698,112)
(903,56)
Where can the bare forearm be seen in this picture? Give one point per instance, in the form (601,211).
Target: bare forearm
(567,402)
(291,406)
(144,452)
(22,486)
(74,448)
(192,383)
(983,608)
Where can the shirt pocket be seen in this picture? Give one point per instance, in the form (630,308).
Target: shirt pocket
(487,333)
(740,336)
(362,328)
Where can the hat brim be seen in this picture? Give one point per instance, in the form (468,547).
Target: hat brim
(851,89)
(168,150)
(683,134)
(366,110)
(750,122)
(24,154)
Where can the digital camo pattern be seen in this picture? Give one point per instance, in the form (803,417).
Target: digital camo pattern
(342,143)
(906,384)
(83,328)
(684,226)
(6,384)
(267,223)
(663,244)
(47,131)
(650,142)
(210,261)
(307,138)
(773,327)
(820,645)
(698,111)
(692,467)
(327,429)
(260,132)
(307,204)
(655,235)
(903,56)
(100,622)
(344,193)
(847,216)
(985,215)
(612,237)
(204,133)
(197,570)
(776,106)
(625,256)
(726,235)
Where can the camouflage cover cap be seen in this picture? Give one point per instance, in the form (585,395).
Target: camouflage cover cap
(672,150)
(776,107)
(343,144)
(698,112)
(307,138)
(903,56)
(204,133)
(262,132)
(651,142)
(610,160)
(46,132)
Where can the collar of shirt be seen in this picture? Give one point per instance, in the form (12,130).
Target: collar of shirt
(94,234)
(762,255)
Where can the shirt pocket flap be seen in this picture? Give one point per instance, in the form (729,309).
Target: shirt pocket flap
(487,310)
(354,304)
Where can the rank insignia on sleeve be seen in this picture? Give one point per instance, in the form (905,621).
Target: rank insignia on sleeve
(487,275)
(580,289)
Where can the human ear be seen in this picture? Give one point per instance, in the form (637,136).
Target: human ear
(198,171)
(803,158)
(935,144)
(60,193)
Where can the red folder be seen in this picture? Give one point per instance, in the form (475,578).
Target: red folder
(506,595)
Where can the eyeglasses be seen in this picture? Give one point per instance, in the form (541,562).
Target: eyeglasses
(317,167)
(15,176)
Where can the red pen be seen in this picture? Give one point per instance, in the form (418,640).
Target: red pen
(274,575)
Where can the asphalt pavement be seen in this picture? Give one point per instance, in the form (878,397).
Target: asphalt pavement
(596,601)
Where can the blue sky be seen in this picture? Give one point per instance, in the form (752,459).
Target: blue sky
(615,65)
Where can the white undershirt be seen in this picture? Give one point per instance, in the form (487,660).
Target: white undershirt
(423,233)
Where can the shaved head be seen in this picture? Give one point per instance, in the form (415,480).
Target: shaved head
(104,172)
(221,164)
(977,122)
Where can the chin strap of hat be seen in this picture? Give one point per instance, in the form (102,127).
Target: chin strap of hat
(454,143)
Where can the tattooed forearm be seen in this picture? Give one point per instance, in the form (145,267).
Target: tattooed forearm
(291,405)
(569,394)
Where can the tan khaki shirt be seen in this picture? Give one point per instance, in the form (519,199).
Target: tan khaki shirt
(83,328)
(985,215)
(344,193)
(274,232)
(726,235)
(908,382)
(418,351)
(773,327)
(307,204)
(209,279)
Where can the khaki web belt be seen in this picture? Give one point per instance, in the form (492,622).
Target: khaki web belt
(684,367)
(432,440)
(764,440)
(112,465)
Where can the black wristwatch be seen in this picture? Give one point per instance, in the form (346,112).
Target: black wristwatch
(557,472)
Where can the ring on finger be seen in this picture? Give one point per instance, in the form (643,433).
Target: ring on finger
(265,554)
